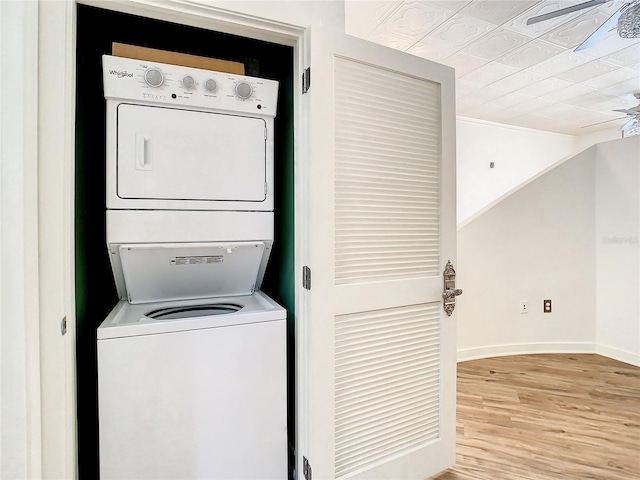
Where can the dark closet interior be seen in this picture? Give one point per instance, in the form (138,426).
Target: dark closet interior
(94,288)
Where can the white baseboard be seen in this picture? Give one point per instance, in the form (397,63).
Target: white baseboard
(620,355)
(526,348)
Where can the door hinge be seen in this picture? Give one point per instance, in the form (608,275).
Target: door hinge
(63,326)
(265,188)
(306,80)
(306,277)
(265,133)
(306,468)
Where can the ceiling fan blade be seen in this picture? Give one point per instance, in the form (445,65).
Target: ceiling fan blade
(606,121)
(628,124)
(565,11)
(602,30)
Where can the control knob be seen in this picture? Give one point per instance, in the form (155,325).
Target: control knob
(188,82)
(153,76)
(210,85)
(244,90)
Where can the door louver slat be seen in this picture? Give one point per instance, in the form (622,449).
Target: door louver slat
(387,383)
(387,178)
(363,393)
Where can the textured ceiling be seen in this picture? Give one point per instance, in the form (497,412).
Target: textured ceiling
(510,72)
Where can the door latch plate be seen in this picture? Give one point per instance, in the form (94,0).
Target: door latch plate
(450,291)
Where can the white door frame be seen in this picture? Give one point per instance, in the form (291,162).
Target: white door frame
(56,141)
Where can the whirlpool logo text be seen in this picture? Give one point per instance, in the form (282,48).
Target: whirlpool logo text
(121,74)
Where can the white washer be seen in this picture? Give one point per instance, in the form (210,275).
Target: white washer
(193,394)
(192,360)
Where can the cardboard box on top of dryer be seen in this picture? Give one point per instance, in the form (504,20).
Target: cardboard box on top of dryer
(174,58)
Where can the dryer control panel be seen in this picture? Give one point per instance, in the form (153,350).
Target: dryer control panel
(159,83)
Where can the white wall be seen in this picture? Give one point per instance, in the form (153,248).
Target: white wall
(19,329)
(327,13)
(538,243)
(618,249)
(585,141)
(519,154)
(571,235)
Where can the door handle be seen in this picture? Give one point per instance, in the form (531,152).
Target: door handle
(143,160)
(451,294)
(450,291)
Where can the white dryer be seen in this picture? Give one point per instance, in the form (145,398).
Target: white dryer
(192,360)
(180,138)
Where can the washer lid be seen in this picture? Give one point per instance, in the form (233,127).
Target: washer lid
(166,271)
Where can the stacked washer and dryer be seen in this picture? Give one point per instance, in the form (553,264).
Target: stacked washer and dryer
(192,360)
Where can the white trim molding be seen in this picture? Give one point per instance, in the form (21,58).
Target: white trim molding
(20,417)
(56,138)
(632,358)
(524,349)
(537,348)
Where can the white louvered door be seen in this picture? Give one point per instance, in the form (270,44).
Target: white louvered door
(377,364)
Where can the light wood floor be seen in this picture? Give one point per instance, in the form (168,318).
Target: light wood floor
(547,417)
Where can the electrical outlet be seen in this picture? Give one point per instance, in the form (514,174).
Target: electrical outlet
(546,306)
(524,307)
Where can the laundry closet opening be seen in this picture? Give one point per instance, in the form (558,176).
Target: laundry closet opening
(95,289)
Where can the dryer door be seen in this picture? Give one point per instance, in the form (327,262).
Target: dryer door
(171,154)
